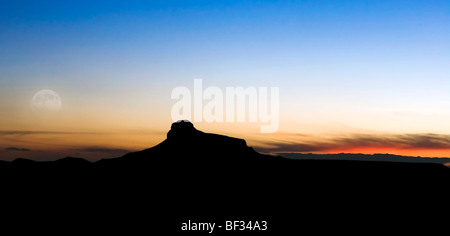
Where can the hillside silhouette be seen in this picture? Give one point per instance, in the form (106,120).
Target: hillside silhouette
(193,175)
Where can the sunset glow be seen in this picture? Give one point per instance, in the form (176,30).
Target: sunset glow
(353,77)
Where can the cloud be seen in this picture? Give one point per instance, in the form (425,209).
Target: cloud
(31,132)
(98,152)
(401,141)
(38,132)
(355,141)
(102,149)
(16,149)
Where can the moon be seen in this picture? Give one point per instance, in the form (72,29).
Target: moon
(46,100)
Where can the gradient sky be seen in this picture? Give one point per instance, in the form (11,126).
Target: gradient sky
(354,76)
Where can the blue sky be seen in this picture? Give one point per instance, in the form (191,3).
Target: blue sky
(199,38)
(335,41)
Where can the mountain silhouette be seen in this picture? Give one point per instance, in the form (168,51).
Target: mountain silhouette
(198,176)
(187,145)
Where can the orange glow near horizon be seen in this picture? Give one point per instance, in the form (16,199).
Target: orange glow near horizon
(89,145)
(110,141)
(394,151)
(98,82)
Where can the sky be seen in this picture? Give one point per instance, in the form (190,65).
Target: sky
(353,76)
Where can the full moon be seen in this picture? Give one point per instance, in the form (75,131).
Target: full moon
(46,100)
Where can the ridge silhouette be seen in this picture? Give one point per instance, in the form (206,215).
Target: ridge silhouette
(195,154)
(193,175)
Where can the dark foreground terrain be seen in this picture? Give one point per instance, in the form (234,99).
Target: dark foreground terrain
(212,178)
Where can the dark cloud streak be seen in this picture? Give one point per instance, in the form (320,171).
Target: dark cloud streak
(31,132)
(16,149)
(101,149)
(396,141)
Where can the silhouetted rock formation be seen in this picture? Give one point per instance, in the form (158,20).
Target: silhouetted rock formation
(182,130)
(197,175)
(186,145)
(193,153)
